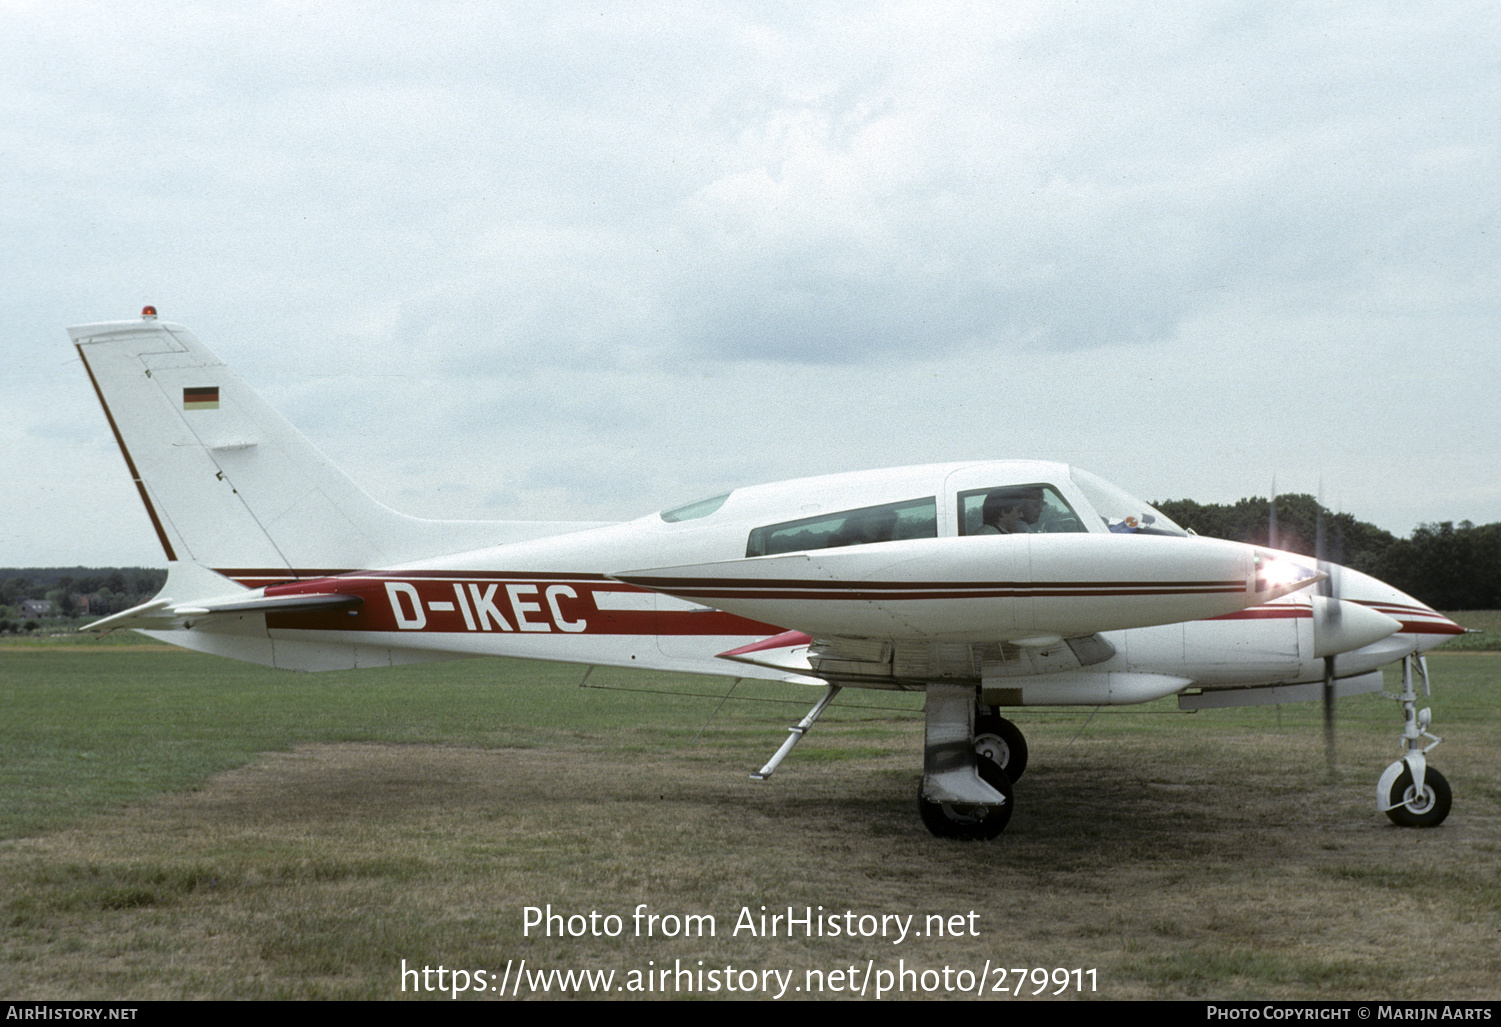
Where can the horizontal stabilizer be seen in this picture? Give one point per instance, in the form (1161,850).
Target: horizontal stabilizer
(187,584)
(162,614)
(303,603)
(147,615)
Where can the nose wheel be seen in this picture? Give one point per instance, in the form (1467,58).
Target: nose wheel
(1412,806)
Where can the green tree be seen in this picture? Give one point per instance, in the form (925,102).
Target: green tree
(1447,566)
(1353,543)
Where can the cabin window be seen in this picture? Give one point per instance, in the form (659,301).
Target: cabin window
(1053,511)
(917,518)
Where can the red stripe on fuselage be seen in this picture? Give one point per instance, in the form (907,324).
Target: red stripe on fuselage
(1408,616)
(711,589)
(500,604)
(676,585)
(1403,615)
(258,577)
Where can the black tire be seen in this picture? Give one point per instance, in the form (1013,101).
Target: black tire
(1433,806)
(1001,743)
(969,822)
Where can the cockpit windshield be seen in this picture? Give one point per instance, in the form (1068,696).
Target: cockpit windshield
(1122,512)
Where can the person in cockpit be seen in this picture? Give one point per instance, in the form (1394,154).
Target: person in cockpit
(1011,511)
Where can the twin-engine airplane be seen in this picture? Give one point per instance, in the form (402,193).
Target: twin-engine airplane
(985,584)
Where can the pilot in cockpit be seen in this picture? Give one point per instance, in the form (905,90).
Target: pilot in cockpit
(1011,511)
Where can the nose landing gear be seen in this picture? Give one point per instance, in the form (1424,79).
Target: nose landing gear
(1411,793)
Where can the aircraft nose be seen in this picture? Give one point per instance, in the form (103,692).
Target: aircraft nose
(1420,624)
(1419,619)
(1340,626)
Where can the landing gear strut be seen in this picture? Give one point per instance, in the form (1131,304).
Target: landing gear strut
(968,752)
(1411,793)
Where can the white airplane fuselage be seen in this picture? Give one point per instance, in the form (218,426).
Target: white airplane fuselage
(552,598)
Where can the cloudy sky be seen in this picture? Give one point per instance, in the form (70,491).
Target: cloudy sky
(561,260)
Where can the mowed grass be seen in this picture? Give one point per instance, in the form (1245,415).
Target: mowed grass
(178,826)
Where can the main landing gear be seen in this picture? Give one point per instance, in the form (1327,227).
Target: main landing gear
(971,756)
(1411,793)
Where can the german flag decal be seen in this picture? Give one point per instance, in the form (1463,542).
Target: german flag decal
(202,398)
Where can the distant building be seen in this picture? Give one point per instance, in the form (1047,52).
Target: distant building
(35,607)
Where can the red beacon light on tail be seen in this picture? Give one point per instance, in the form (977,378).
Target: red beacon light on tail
(148,313)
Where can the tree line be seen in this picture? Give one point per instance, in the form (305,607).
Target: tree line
(1446,565)
(65,590)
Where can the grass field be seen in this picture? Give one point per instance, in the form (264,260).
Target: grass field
(177,826)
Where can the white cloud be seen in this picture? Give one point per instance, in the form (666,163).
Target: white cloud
(1193,243)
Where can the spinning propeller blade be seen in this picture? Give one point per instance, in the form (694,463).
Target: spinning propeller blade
(1330,621)
(1271,518)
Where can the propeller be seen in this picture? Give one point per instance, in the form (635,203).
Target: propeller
(1330,621)
(1271,518)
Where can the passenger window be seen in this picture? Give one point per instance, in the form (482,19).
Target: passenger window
(916,518)
(1016,509)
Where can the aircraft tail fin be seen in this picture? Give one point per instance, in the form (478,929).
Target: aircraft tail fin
(230,485)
